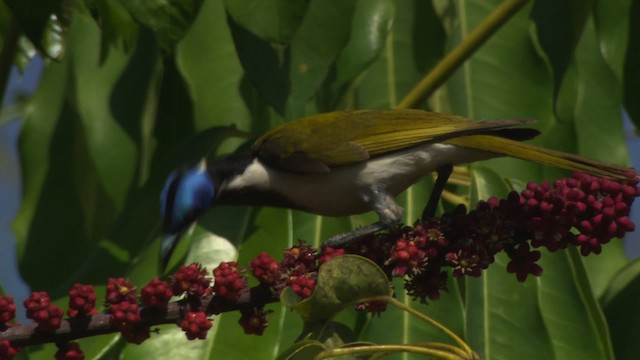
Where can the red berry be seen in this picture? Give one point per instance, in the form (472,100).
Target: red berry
(124,316)
(254,322)
(191,279)
(82,301)
(302,285)
(119,290)
(69,351)
(266,269)
(7,310)
(7,351)
(329,253)
(229,281)
(41,310)
(195,324)
(156,294)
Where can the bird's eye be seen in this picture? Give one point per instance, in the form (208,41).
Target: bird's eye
(185,196)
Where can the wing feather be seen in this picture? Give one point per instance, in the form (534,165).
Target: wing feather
(317,143)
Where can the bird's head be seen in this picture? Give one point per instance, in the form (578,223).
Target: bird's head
(186,195)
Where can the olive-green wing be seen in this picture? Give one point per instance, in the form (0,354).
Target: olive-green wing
(317,143)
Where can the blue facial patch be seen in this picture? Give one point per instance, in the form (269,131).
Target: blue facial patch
(184,197)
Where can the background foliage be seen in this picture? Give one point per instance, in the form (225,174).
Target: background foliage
(133,89)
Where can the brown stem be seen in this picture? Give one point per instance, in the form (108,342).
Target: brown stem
(450,63)
(76,328)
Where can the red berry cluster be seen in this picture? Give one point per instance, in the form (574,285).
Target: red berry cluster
(329,253)
(156,294)
(122,302)
(229,281)
(7,311)
(297,270)
(41,310)
(266,269)
(254,322)
(192,279)
(195,324)
(124,315)
(82,301)
(119,290)
(302,285)
(7,350)
(583,210)
(69,351)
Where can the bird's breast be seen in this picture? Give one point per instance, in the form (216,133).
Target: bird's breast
(343,191)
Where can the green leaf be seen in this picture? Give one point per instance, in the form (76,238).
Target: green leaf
(38,19)
(306,349)
(612,19)
(65,208)
(263,65)
(558,39)
(620,307)
(631,70)
(323,33)
(170,20)
(372,23)
(495,326)
(118,26)
(110,98)
(414,44)
(213,73)
(590,97)
(342,281)
(169,342)
(572,317)
(270,20)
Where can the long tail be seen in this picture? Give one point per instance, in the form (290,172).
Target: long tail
(521,150)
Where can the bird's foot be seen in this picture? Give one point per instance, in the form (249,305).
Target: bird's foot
(345,239)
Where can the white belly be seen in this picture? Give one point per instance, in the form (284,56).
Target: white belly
(345,190)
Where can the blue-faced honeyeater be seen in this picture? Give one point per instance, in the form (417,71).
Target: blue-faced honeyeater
(350,162)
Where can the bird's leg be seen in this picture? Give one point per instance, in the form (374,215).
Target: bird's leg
(383,204)
(345,239)
(444,172)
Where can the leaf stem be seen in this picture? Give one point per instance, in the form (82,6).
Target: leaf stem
(372,349)
(431,321)
(452,61)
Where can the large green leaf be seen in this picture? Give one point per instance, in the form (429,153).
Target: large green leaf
(169,20)
(323,33)
(263,66)
(111,97)
(590,100)
(623,315)
(65,208)
(372,22)
(503,317)
(559,38)
(271,20)
(206,58)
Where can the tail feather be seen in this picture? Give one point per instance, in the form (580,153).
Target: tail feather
(544,156)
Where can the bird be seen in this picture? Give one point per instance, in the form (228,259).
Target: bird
(353,161)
